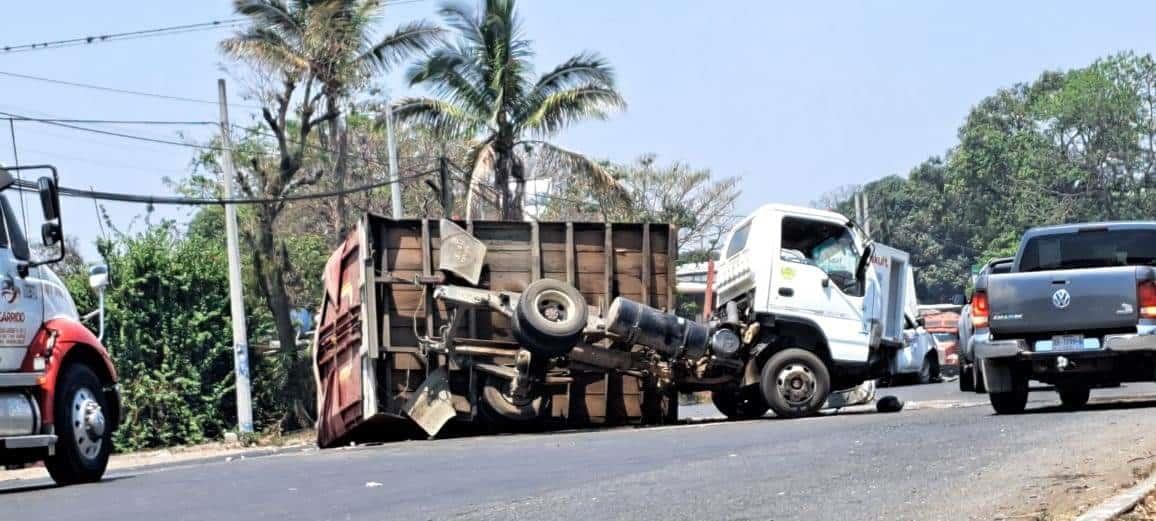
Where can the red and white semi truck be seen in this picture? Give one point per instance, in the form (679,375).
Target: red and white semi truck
(59,401)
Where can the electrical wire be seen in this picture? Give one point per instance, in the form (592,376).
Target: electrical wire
(29,186)
(121,91)
(129,35)
(111,121)
(18,117)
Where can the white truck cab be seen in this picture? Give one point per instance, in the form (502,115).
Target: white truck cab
(825,308)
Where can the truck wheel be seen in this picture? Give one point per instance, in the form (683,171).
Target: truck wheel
(924,376)
(739,404)
(795,383)
(1014,401)
(499,404)
(84,440)
(550,316)
(1074,396)
(966,382)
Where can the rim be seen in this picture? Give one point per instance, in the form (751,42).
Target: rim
(553,305)
(87,423)
(796,383)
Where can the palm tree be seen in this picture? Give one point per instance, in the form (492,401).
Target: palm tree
(484,90)
(331,41)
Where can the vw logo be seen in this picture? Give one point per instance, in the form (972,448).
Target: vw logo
(1061,298)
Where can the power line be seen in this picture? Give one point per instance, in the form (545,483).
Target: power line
(196,201)
(130,35)
(111,121)
(18,117)
(119,91)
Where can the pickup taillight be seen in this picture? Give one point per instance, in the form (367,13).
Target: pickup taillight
(979,309)
(1146,298)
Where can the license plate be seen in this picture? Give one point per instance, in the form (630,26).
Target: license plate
(1068,342)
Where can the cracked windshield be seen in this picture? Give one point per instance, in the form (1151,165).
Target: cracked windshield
(538,260)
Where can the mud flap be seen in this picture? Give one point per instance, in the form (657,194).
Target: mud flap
(430,407)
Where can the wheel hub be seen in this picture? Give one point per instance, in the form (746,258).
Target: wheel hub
(88,423)
(796,383)
(553,305)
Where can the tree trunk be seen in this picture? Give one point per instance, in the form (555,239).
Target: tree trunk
(505,167)
(338,147)
(272,262)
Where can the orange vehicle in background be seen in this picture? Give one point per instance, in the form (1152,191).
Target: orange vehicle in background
(942,321)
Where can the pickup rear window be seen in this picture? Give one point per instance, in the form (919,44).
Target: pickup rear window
(1090,249)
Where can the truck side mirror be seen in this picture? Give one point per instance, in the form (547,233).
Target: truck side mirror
(49,198)
(98,277)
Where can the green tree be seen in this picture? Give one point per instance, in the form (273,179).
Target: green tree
(330,41)
(484,90)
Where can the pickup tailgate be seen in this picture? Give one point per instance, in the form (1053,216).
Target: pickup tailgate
(1059,301)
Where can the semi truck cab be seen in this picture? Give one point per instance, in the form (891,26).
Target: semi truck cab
(59,402)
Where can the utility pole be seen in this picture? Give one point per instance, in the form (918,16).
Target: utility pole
(866,216)
(447,191)
(394,182)
(236,302)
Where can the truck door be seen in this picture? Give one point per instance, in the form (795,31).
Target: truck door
(816,280)
(21,312)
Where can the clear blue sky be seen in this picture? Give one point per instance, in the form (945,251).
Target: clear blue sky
(798,98)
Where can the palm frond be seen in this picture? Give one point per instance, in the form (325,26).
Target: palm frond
(270,14)
(452,75)
(482,164)
(265,48)
(443,117)
(582,69)
(579,166)
(414,37)
(552,113)
(461,18)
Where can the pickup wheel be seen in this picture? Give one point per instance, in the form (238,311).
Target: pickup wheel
(1014,401)
(550,316)
(977,378)
(84,438)
(924,376)
(1074,396)
(739,403)
(795,383)
(966,382)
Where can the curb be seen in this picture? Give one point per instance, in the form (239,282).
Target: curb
(256,452)
(1120,503)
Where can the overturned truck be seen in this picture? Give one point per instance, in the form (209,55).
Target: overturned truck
(503,324)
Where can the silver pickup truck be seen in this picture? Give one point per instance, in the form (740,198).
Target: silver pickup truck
(1077,310)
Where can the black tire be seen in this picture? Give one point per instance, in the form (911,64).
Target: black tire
(1074,396)
(799,373)
(977,378)
(966,382)
(1013,401)
(924,375)
(550,317)
(499,407)
(78,414)
(739,404)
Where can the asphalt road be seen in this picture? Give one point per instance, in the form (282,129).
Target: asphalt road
(946,457)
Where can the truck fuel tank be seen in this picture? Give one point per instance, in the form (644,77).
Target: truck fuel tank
(667,333)
(19,414)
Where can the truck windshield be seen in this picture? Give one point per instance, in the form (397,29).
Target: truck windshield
(1095,249)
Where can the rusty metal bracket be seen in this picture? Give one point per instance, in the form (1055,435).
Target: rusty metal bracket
(503,302)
